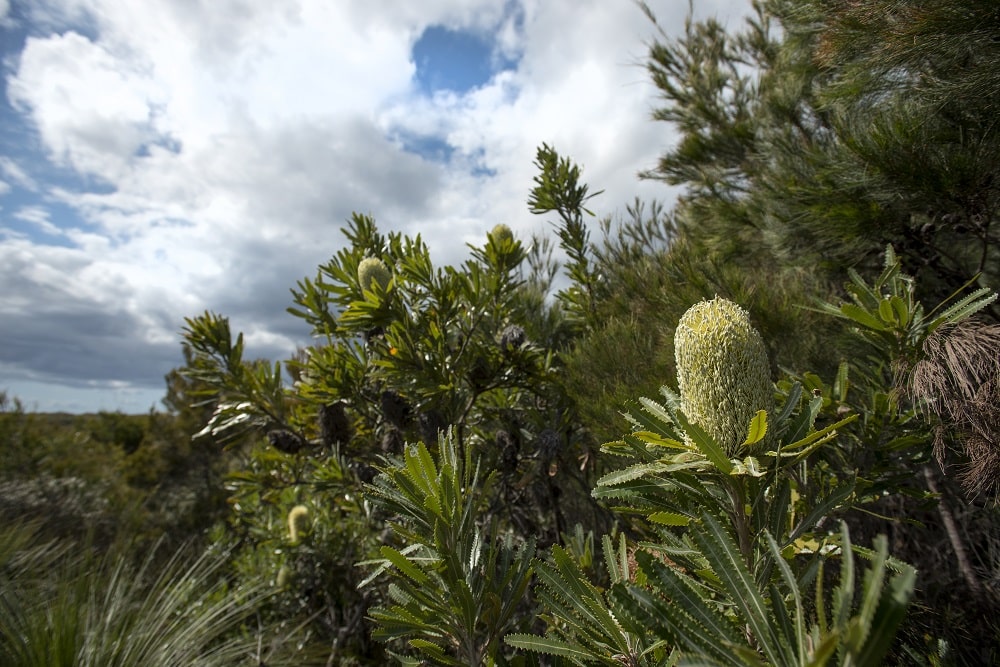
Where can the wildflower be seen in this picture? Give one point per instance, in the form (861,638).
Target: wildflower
(298,522)
(501,234)
(722,371)
(372,270)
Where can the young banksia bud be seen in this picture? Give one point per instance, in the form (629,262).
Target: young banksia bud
(722,371)
(372,270)
(298,522)
(501,234)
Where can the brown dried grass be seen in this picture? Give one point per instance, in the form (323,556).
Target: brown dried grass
(958,381)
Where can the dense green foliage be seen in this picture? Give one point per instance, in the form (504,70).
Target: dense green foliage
(760,427)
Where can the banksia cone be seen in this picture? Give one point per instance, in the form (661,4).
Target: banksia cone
(298,522)
(511,337)
(722,371)
(432,423)
(286,441)
(395,409)
(334,425)
(501,234)
(372,270)
(550,443)
(508,448)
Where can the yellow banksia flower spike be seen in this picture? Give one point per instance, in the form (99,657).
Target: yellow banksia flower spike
(298,522)
(373,270)
(723,373)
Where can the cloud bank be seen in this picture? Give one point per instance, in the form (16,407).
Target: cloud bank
(171,156)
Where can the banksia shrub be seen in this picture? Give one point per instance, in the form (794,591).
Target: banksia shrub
(372,270)
(722,371)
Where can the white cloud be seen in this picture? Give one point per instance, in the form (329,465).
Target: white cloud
(222,144)
(39,217)
(16,175)
(92,110)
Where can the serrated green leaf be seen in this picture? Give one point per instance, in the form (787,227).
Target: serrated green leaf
(669,519)
(548,646)
(706,443)
(404,565)
(628,474)
(863,317)
(966,307)
(758,428)
(727,563)
(659,441)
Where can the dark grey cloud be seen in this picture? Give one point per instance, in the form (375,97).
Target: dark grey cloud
(307,175)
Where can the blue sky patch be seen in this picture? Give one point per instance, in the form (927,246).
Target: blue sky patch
(429,147)
(455,60)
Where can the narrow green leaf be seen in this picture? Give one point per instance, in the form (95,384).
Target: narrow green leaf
(708,446)
(794,395)
(902,310)
(628,474)
(827,505)
(793,587)
(758,428)
(680,590)
(886,312)
(659,441)
(968,306)
(862,317)
(841,384)
(816,435)
(548,646)
(861,287)
(670,606)
(404,565)
(843,594)
(887,619)
(434,652)
(656,410)
(720,550)
(669,519)
(617,562)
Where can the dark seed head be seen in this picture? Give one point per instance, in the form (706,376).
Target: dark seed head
(395,409)
(549,444)
(285,441)
(334,426)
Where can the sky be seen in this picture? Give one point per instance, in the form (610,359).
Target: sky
(161,158)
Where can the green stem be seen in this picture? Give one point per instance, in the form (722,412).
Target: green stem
(738,516)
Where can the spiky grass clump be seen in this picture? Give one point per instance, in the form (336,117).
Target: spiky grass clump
(722,370)
(78,609)
(373,270)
